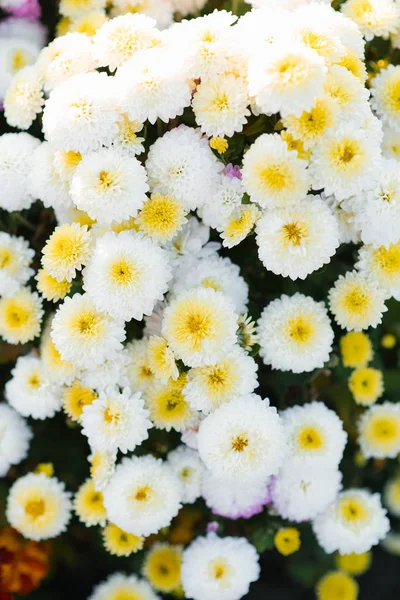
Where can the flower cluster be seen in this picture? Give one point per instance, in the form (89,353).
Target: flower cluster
(170,151)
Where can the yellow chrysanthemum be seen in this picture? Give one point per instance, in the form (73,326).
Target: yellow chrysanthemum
(310,126)
(20,317)
(219,144)
(51,289)
(88,505)
(287,540)
(161,359)
(239,225)
(366,385)
(119,542)
(76,397)
(90,23)
(388,341)
(356,349)
(354,564)
(168,406)
(66,251)
(161,217)
(337,586)
(162,567)
(379,431)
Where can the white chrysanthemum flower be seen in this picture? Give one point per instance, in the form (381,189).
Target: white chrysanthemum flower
(57,370)
(116,421)
(161,359)
(15,437)
(15,162)
(126,140)
(20,316)
(189,469)
(102,466)
(301,494)
(30,391)
(15,258)
(152,86)
(355,522)
(66,251)
(383,265)
(181,164)
(24,99)
(209,387)
(88,505)
(217,273)
(315,436)
(126,276)
(219,568)
(373,17)
(345,162)
(143,495)
(392,496)
(226,197)
(138,370)
(379,431)
(109,185)
(200,326)
(348,94)
(220,105)
(297,240)
(311,125)
(83,335)
(15,53)
(391,144)
(295,334)
(273,175)
(286,79)
(81,113)
(243,440)
(161,11)
(228,499)
(119,586)
(44,182)
(74,9)
(168,406)
(357,302)
(38,506)
(121,38)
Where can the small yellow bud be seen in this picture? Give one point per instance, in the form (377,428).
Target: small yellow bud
(287,540)
(45,468)
(219,144)
(388,341)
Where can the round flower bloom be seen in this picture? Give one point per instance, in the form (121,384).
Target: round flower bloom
(15,258)
(297,240)
(109,186)
(116,421)
(383,265)
(38,506)
(14,439)
(226,499)
(379,431)
(66,251)
(30,391)
(273,175)
(209,387)
(81,113)
(366,385)
(126,275)
(119,542)
(388,341)
(75,8)
(88,505)
(142,496)
(315,436)
(161,217)
(24,99)
(219,568)
(20,317)
(286,79)
(15,162)
(300,494)
(152,86)
(336,584)
(161,359)
(355,564)
(356,349)
(287,540)
(355,522)
(295,334)
(243,440)
(357,302)
(188,468)
(45,183)
(51,289)
(220,105)
(374,17)
(168,407)
(121,586)
(349,95)
(180,164)
(139,373)
(344,161)
(162,567)
(218,273)
(102,467)
(75,398)
(311,125)
(239,225)
(121,38)
(227,197)
(200,326)
(392,496)
(83,335)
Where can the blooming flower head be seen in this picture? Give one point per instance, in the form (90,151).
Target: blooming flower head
(75,397)
(20,316)
(66,251)
(354,564)
(88,505)
(38,506)
(366,385)
(161,217)
(119,542)
(379,431)
(24,99)
(239,224)
(162,567)
(168,406)
(51,289)
(311,125)
(15,258)
(119,585)
(336,584)
(287,540)
(374,17)
(15,437)
(356,349)
(382,264)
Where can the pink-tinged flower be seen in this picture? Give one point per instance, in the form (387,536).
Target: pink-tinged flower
(27,9)
(232,171)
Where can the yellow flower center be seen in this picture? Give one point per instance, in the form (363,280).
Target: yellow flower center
(294,233)
(240,442)
(19,59)
(388,260)
(300,330)
(88,324)
(277,177)
(143,494)
(124,272)
(346,155)
(310,438)
(108,181)
(82,110)
(161,216)
(128,130)
(353,510)
(292,71)
(209,282)
(6,258)
(34,380)
(356,300)
(221,102)
(16,315)
(35,508)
